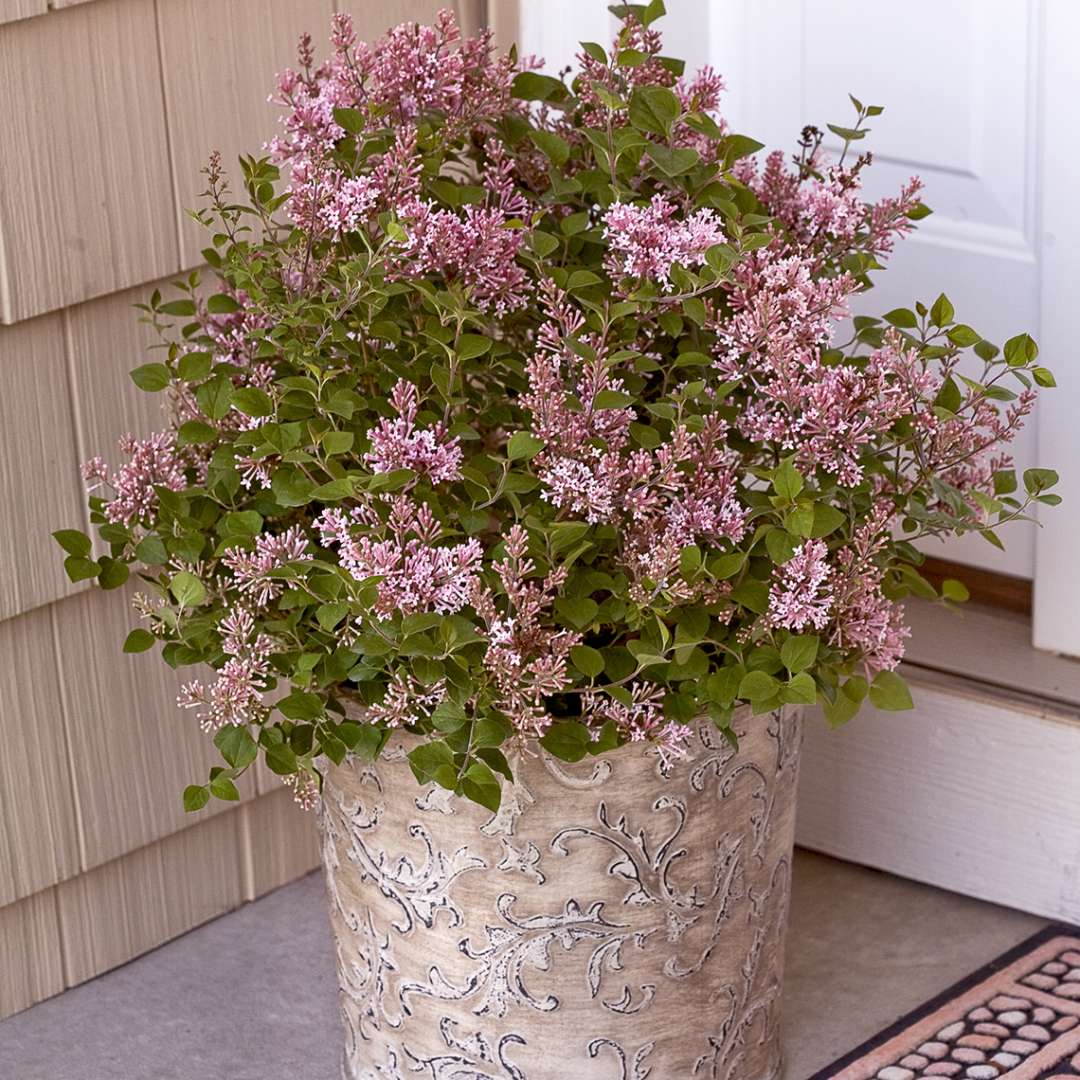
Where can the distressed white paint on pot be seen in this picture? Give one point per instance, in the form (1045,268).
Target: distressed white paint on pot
(615,920)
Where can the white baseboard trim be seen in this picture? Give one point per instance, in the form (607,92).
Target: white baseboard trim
(976,791)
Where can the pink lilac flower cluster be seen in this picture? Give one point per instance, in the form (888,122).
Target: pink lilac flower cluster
(647,241)
(661,499)
(801,595)
(414,574)
(236,695)
(822,208)
(399,444)
(475,249)
(411,72)
(407,701)
(842,594)
(253,570)
(153,462)
(525,656)
(643,718)
(864,618)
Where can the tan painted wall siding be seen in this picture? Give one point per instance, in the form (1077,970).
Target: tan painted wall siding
(40,487)
(85,192)
(10,10)
(111,109)
(39,838)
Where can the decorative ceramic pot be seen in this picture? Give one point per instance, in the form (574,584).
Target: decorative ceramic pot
(615,920)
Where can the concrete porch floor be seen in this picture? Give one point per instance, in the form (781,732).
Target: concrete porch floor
(252,995)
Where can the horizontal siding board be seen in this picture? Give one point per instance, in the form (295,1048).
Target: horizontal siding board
(133,904)
(133,751)
(39,843)
(10,10)
(86,197)
(31,969)
(219,63)
(106,340)
(40,486)
(283,841)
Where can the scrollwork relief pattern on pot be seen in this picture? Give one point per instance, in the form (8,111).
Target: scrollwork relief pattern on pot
(614,920)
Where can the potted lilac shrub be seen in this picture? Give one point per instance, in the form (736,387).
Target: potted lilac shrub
(518,498)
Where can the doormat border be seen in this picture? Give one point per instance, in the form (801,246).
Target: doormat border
(1029,944)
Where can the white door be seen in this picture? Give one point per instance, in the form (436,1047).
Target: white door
(980,99)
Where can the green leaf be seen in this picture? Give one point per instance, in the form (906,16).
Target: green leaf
(1037,481)
(237,746)
(846,133)
(329,615)
(788,481)
(653,109)
(79,569)
(889,691)
(567,740)
(221,787)
(964,336)
(587,660)
(553,146)
(523,446)
(430,760)
(280,759)
(800,520)
(194,365)
(178,307)
(689,561)
(151,377)
(195,432)
(113,573)
(839,712)
(611,399)
(196,796)
(139,640)
(955,590)
(252,401)
(215,396)
(827,519)
(579,611)
(352,120)
(301,705)
(752,594)
(727,566)
(758,686)
(595,51)
(532,86)
(800,689)
(780,545)
(1044,376)
(1020,350)
(722,686)
(188,590)
(221,304)
(470,346)
(903,318)
(337,442)
(739,146)
(942,311)
(482,786)
(73,542)
(676,162)
(799,652)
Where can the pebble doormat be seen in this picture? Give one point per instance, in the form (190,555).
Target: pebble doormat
(1018,1018)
